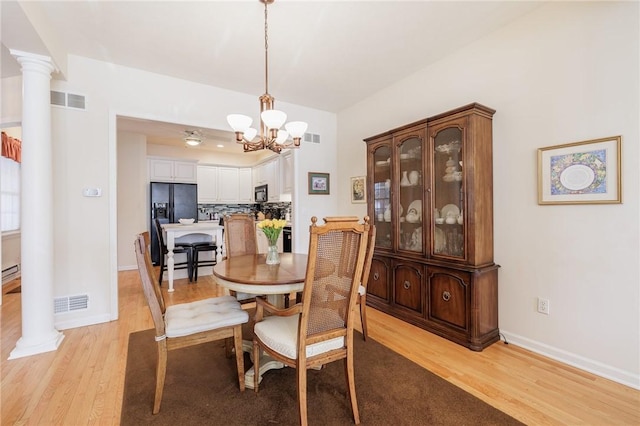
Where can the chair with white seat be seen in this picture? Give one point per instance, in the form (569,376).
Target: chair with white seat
(188,324)
(320,329)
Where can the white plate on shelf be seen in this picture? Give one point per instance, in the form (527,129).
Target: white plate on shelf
(444,211)
(381,163)
(415,210)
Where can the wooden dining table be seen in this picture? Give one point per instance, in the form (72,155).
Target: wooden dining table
(251,274)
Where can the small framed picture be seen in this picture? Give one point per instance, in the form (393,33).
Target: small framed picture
(359,189)
(587,172)
(318,183)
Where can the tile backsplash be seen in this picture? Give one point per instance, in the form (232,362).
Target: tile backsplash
(214,211)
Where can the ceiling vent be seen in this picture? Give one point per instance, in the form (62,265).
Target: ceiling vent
(68,100)
(70,303)
(311,137)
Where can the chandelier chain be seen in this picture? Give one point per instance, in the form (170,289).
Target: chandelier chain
(266,50)
(270,119)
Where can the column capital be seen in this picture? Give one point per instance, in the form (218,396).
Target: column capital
(33,61)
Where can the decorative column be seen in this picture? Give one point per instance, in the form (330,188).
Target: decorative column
(38,331)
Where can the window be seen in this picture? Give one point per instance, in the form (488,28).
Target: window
(9,194)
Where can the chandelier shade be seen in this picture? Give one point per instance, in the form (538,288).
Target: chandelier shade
(271,120)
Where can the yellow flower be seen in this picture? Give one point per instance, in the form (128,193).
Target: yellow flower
(272,228)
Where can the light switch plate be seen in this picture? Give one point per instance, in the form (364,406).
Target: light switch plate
(92,192)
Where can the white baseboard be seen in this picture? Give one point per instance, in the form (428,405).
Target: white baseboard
(127,268)
(626,378)
(81,322)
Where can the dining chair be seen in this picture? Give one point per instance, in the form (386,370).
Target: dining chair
(187,324)
(179,248)
(319,330)
(361,301)
(240,239)
(202,247)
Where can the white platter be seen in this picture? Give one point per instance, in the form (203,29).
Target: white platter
(449,208)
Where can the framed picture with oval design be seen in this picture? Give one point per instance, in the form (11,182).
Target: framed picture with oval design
(587,172)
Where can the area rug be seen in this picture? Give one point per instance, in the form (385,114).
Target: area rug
(202,389)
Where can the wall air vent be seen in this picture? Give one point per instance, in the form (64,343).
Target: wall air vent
(68,100)
(58,98)
(10,273)
(311,137)
(70,303)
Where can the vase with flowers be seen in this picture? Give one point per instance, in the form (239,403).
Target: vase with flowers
(272,229)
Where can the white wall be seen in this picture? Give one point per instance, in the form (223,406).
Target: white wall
(567,72)
(132,196)
(87,154)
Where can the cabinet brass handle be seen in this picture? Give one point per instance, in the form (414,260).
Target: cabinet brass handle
(446,296)
(376,276)
(406,285)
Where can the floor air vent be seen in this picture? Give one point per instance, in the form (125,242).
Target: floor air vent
(10,273)
(70,303)
(68,100)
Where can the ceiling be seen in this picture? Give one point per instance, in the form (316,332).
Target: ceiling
(326,55)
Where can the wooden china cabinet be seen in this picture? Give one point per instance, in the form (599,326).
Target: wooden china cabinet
(430,194)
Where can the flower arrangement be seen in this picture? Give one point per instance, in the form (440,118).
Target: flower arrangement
(272,229)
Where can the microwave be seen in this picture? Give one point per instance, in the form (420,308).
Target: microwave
(260,194)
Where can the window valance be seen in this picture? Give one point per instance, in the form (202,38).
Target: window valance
(11,148)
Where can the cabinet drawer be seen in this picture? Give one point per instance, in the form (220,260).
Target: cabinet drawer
(448,297)
(378,284)
(407,286)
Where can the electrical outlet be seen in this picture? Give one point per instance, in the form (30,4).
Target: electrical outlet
(543,306)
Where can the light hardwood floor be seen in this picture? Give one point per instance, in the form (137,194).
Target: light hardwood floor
(82,382)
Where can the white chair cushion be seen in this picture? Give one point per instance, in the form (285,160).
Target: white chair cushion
(208,314)
(281,335)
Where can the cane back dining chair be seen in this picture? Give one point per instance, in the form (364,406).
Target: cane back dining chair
(240,239)
(188,324)
(319,330)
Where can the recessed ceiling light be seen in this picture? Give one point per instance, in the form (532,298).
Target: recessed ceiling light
(220,145)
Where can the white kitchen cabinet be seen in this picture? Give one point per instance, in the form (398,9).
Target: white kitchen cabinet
(268,173)
(207,184)
(245,194)
(286,173)
(228,185)
(161,170)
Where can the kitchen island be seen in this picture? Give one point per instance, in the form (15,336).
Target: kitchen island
(189,233)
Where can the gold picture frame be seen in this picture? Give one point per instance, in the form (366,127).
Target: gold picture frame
(358,189)
(318,183)
(587,172)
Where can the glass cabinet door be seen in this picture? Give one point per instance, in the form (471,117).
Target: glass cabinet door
(448,193)
(382,195)
(411,194)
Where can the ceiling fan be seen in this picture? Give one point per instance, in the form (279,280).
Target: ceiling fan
(192,137)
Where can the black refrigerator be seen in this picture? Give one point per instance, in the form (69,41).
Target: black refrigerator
(170,202)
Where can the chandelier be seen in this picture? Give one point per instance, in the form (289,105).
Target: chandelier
(271,120)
